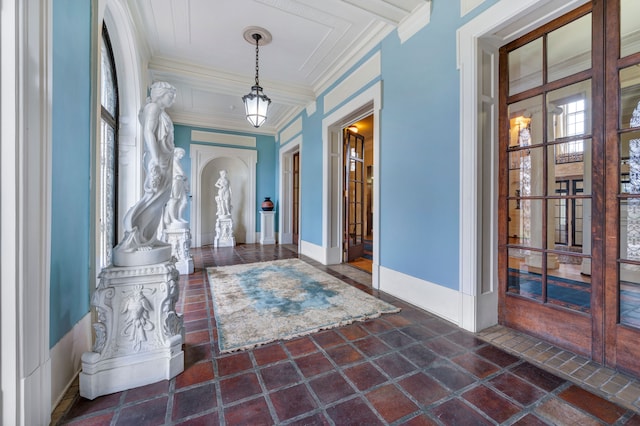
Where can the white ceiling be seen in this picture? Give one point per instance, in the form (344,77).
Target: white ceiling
(198,46)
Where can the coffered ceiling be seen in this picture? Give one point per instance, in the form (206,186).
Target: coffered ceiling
(198,46)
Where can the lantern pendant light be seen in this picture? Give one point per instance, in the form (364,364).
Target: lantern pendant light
(256,103)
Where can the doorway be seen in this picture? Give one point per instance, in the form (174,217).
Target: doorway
(295,197)
(357,154)
(569,141)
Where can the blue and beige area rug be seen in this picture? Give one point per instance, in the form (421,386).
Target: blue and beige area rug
(258,303)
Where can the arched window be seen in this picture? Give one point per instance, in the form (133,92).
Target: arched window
(108,151)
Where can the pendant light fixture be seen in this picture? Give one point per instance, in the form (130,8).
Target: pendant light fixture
(256,103)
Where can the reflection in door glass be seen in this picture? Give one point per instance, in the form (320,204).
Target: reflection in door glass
(629,27)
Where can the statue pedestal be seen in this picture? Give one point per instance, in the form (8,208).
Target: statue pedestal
(224,232)
(179,237)
(267,227)
(138,334)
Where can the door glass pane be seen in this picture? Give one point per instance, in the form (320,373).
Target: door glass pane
(525,67)
(569,49)
(630,163)
(525,122)
(525,178)
(565,220)
(630,96)
(630,229)
(566,286)
(525,223)
(520,279)
(629,27)
(569,111)
(630,295)
(569,160)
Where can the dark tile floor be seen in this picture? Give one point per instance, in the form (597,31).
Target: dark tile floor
(408,368)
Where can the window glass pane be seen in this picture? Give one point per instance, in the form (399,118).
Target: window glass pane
(525,67)
(566,286)
(108,96)
(569,49)
(525,122)
(569,160)
(525,222)
(629,27)
(525,178)
(630,97)
(630,295)
(630,163)
(569,111)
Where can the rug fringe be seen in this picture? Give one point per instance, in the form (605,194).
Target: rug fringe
(307,332)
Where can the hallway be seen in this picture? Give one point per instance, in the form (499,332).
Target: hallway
(405,368)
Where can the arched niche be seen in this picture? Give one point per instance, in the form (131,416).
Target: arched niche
(240,164)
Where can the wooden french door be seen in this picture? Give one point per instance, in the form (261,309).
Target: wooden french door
(295,205)
(570,112)
(354,186)
(622,227)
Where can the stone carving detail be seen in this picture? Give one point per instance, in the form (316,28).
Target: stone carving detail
(137,309)
(224,223)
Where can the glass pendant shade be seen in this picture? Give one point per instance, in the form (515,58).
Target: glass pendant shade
(256,104)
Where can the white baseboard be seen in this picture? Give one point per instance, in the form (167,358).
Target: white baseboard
(66,358)
(313,251)
(433,298)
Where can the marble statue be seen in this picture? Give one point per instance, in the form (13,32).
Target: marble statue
(140,245)
(224,224)
(174,211)
(223,199)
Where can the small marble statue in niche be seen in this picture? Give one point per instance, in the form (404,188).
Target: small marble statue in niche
(223,199)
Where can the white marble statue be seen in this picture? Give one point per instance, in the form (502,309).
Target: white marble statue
(223,199)
(140,245)
(174,211)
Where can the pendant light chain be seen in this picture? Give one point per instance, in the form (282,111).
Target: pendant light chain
(257,37)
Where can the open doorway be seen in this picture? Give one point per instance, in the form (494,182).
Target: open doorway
(358,194)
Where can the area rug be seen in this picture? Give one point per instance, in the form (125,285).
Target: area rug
(258,303)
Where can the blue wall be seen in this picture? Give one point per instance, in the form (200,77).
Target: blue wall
(70,211)
(419,152)
(265,168)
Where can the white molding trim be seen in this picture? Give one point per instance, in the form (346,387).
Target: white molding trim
(223,138)
(285,191)
(290,131)
(25,166)
(413,23)
(66,358)
(467,6)
(433,298)
(501,23)
(342,117)
(201,155)
(357,79)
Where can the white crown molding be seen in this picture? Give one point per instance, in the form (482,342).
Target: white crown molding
(371,37)
(198,76)
(211,122)
(413,23)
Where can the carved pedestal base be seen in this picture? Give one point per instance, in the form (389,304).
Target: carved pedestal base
(224,232)
(139,335)
(180,239)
